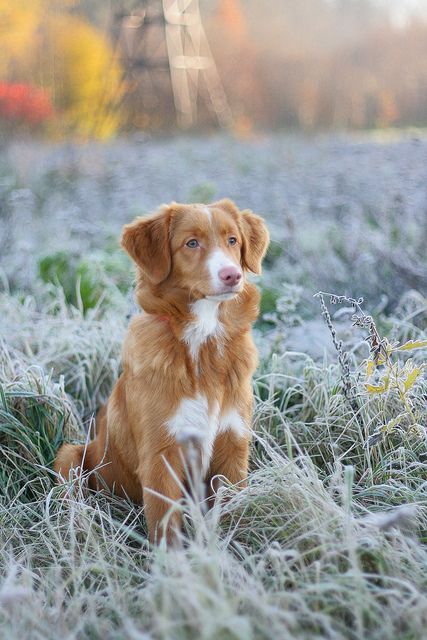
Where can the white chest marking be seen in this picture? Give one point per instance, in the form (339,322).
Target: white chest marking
(193,421)
(233,421)
(204,326)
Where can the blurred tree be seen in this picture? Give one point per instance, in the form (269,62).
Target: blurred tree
(22,105)
(18,25)
(307,64)
(238,62)
(322,63)
(79,66)
(43,43)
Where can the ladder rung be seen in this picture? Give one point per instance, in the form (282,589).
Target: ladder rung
(190,62)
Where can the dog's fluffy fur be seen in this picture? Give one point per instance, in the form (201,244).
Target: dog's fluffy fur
(188,360)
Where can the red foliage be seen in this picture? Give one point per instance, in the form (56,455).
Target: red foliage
(24,104)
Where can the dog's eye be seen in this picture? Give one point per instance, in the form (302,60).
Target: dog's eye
(192,243)
(232,241)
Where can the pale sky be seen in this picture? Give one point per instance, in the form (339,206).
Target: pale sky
(402,9)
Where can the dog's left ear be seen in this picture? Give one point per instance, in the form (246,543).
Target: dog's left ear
(255,241)
(254,231)
(146,240)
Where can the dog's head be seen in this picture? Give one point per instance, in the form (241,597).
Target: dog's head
(204,249)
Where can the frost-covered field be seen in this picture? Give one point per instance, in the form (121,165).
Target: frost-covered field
(329,539)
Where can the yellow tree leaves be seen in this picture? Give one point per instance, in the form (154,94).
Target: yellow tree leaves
(18,24)
(86,79)
(43,44)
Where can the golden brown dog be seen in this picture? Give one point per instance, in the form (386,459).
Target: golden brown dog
(188,359)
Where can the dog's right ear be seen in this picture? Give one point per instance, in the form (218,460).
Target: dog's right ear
(146,240)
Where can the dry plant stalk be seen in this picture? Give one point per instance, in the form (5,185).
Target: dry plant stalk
(383,373)
(343,357)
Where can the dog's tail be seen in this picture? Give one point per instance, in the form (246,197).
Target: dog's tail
(82,457)
(69,456)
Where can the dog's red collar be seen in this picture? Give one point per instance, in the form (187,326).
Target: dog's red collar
(157,317)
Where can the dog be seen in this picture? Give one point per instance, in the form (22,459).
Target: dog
(188,361)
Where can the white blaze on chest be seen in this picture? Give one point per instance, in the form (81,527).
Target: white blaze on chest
(231,420)
(205,325)
(195,421)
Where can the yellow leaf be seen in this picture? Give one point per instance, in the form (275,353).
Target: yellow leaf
(389,427)
(388,347)
(381,360)
(370,367)
(412,344)
(412,378)
(370,388)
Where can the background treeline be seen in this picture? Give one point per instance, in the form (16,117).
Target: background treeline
(311,64)
(317,63)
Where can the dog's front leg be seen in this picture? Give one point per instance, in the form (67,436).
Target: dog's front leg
(230,461)
(162,476)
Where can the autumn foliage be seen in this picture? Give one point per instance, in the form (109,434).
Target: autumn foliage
(314,64)
(53,60)
(310,65)
(22,103)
